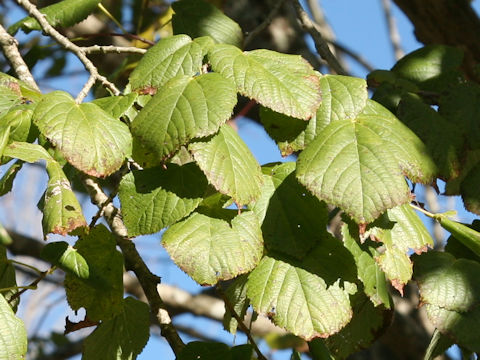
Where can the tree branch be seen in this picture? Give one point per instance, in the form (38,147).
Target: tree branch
(68,45)
(320,43)
(392,30)
(113,49)
(264,24)
(10,49)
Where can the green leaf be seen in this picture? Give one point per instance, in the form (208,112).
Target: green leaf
(4,138)
(19,118)
(102,294)
(61,211)
(433,67)
(67,258)
(450,290)
(187,108)
(169,58)
(368,324)
(117,106)
(458,249)
(357,164)
(122,337)
(229,165)
(237,296)
(25,93)
(438,345)
(242,352)
(204,350)
(7,275)
(343,97)
(368,271)
(200,18)
(293,220)
(210,249)
(88,137)
(155,198)
(5,238)
(470,191)
(400,230)
(442,138)
(466,235)
(63,14)
(297,298)
(10,96)
(13,335)
(27,152)
(284,83)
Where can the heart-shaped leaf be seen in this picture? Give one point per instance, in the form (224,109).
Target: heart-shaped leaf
(88,137)
(66,257)
(359,164)
(284,83)
(210,249)
(185,109)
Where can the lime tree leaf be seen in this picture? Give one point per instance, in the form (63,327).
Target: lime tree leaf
(62,212)
(433,67)
(450,290)
(210,249)
(466,235)
(172,56)
(367,325)
(469,190)
(116,106)
(400,230)
(63,14)
(237,296)
(284,83)
(297,298)
(5,238)
(67,258)
(4,138)
(458,249)
(6,181)
(368,271)
(438,345)
(200,18)
(88,137)
(7,273)
(27,152)
(25,91)
(19,118)
(155,198)
(10,96)
(122,337)
(229,165)
(186,108)
(443,139)
(293,220)
(13,335)
(205,350)
(357,164)
(102,294)
(343,97)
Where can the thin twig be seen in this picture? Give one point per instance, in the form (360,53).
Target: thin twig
(241,324)
(357,57)
(127,35)
(33,284)
(9,47)
(68,45)
(134,262)
(392,30)
(264,24)
(320,43)
(113,49)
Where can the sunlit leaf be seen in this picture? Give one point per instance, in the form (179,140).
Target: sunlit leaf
(284,83)
(116,106)
(13,335)
(67,258)
(237,296)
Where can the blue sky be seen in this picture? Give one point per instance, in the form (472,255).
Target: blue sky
(360,26)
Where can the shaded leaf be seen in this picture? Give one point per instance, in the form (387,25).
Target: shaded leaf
(6,181)
(117,106)
(63,14)
(368,324)
(458,249)
(470,191)
(293,220)
(187,108)
(170,57)
(357,164)
(225,160)
(438,345)
(237,296)
(284,83)
(7,275)
(67,258)
(343,97)
(13,336)
(210,249)
(87,137)
(204,350)
(102,294)
(463,233)
(155,198)
(19,118)
(200,18)
(122,337)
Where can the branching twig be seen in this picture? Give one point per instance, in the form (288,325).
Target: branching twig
(134,262)
(33,284)
(392,30)
(68,45)
(113,49)
(320,43)
(9,47)
(264,24)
